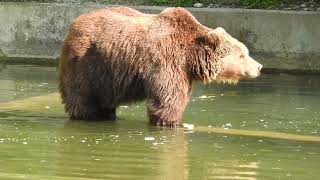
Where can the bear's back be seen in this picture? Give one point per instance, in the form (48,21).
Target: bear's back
(114,16)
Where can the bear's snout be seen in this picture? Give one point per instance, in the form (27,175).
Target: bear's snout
(259,68)
(254,68)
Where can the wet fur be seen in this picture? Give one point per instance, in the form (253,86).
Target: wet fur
(118,55)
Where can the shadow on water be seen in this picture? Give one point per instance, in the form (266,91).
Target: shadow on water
(37,141)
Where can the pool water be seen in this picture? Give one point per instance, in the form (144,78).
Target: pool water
(267,128)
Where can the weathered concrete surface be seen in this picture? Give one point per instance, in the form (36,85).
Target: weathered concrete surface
(278,39)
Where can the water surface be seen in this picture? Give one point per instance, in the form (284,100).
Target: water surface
(37,141)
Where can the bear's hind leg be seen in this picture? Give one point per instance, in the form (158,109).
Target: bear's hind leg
(81,107)
(108,113)
(83,102)
(78,97)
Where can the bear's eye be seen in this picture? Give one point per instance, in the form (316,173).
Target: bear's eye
(241,56)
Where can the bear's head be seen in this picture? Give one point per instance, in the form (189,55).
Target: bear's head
(225,59)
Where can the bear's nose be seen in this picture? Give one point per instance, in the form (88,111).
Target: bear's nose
(259,67)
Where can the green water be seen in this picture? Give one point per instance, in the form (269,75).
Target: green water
(39,142)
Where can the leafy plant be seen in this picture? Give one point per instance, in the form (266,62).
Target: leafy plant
(183,3)
(261,3)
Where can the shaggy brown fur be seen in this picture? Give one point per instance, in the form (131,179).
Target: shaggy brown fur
(118,55)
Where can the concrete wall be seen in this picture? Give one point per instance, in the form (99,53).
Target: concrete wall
(278,39)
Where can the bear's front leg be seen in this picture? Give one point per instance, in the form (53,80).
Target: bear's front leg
(166,109)
(164,116)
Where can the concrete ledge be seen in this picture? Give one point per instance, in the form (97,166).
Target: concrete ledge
(278,39)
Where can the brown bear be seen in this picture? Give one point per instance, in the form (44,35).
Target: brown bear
(118,55)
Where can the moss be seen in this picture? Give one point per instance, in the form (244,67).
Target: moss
(25,60)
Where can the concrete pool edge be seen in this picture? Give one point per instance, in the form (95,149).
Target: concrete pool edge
(286,40)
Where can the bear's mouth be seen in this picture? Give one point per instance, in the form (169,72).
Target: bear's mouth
(248,75)
(234,78)
(228,77)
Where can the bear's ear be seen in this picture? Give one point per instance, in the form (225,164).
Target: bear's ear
(201,40)
(208,40)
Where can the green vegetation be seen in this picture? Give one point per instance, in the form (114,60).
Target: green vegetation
(262,3)
(183,3)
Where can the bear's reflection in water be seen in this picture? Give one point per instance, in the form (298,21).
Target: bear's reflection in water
(111,150)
